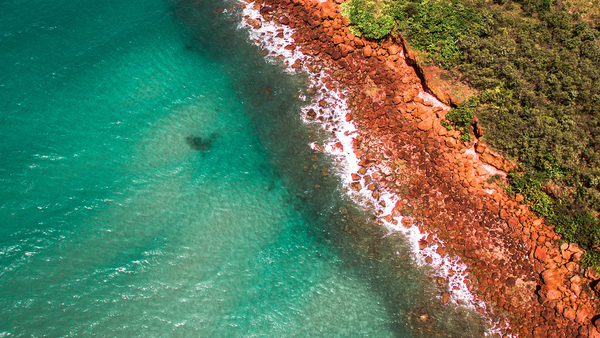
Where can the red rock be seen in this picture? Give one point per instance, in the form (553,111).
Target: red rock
(345,49)
(355,186)
(367,179)
(425,124)
(336,55)
(566,255)
(284,20)
(337,39)
(570,313)
(336,24)
(255,23)
(393,49)
(358,42)
(547,314)
(445,298)
(553,278)
(408,97)
(367,51)
(450,142)
(540,254)
(547,294)
(534,236)
(540,332)
(513,222)
(576,285)
(345,22)
(572,266)
(591,273)
(355,177)
(582,314)
(407,222)
(328,10)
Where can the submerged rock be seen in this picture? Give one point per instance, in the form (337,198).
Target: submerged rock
(199,144)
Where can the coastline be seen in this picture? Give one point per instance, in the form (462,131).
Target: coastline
(493,254)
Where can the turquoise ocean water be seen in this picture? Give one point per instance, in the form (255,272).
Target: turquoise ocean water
(157,181)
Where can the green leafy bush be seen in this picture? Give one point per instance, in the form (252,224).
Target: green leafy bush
(530,186)
(460,118)
(436,27)
(432,26)
(578,226)
(367,19)
(592,258)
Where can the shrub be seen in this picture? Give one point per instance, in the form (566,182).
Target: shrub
(460,118)
(436,27)
(530,186)
(366,19)
(592,258)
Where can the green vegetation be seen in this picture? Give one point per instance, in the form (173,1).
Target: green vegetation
(368,18)
(530,186)
(494,179)
(432,26)
(461,118)
(436,27)
(536,67)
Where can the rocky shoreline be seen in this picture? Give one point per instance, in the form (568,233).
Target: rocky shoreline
(517,265)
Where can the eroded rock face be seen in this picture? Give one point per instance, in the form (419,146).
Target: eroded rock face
(493,159)
(513,256)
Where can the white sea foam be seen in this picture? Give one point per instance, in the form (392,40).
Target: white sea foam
(268,37)
(332,109)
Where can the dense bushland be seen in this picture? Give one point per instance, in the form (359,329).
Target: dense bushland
(369,18)
(536,67)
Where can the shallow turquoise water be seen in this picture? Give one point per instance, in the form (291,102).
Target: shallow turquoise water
(113,225)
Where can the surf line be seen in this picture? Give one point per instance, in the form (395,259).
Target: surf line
(276,40)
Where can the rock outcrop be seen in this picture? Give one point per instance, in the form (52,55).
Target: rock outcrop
(517,264)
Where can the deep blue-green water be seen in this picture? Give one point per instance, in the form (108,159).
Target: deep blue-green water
(151,186)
